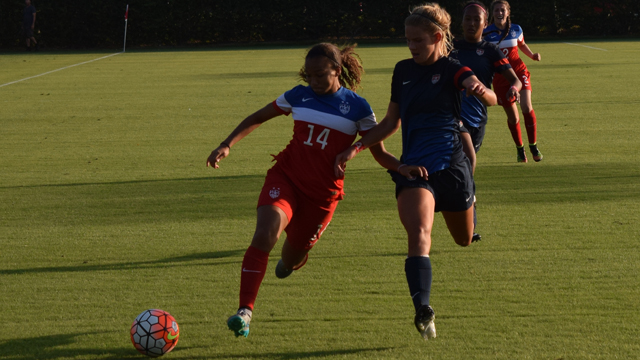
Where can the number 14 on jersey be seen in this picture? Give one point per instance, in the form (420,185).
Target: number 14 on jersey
(321,139)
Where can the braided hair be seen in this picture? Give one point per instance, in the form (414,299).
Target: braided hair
(344,58)
(508,27)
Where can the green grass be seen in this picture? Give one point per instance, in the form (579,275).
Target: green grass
(107,209)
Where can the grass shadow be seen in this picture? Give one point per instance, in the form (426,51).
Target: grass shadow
(167,262)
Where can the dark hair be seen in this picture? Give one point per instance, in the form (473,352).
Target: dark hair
(478,3)
(344,58)
(506,30)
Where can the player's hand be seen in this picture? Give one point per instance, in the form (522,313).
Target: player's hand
(412,172)
(218,154)
(537,57)
(341,160)
(513,95)
(475,88)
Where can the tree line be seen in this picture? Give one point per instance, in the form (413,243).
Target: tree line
(78,24)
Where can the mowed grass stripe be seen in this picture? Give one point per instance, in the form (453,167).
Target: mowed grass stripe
(107,209)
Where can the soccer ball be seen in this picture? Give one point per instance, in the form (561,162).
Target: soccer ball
(154,332)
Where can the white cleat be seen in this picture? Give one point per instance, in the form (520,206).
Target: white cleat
(424,322)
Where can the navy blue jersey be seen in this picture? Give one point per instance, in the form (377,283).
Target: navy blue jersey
(485,60)
(429,100)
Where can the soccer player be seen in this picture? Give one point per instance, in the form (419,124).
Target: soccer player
(484,59)
(301,191)
(509,37)
(433,175)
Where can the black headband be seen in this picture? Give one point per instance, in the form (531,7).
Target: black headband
(430,18)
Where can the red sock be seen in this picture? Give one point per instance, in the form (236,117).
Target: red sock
(515,133)
(254,266)
(530,124)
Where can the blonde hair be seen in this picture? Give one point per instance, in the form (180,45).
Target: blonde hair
(433,19)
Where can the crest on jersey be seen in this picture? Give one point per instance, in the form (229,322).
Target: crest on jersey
(479,52)
(274,193)
(513,33)
(435,78)
(345,108)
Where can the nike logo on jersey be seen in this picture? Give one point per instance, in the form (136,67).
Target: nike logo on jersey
(406,82)
(306,99)
(251,271)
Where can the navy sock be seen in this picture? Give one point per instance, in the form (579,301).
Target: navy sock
(418,272)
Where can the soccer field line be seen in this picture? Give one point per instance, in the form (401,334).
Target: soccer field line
(62,68)
(590,47)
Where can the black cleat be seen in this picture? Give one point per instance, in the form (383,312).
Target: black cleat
(476,237)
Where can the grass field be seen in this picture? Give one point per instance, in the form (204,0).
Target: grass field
(107,209)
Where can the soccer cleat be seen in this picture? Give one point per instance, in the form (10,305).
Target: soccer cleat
(522,156)
(537,155)
(281,271)
(424,322)
(476,237)
(239,323)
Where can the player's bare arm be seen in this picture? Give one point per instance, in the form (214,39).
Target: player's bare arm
(527,51)
(476,88)
(245,128)
(387,127)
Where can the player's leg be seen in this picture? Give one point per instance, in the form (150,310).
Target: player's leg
(513,121)
(511,110)
(416,207)
(308,223)
(530,123)
(460,224)
(271,222)
(275,207)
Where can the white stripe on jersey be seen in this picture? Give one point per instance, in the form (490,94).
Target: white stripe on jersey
(507,43)
(283,104)
(333,121)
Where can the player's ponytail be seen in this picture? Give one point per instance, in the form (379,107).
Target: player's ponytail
(433,19)
(352,69)
(345,59)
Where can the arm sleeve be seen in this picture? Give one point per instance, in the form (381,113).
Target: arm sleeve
(500,62)
(461,75)
(282,105)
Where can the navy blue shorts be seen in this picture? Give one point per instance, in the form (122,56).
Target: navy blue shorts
(453,188)
(477,135)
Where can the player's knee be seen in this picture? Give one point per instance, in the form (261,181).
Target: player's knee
(463,240)
(264,239)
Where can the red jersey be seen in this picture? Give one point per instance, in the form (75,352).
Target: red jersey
(324,125)
(508,46)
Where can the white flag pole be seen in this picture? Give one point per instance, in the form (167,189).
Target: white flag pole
(126,19)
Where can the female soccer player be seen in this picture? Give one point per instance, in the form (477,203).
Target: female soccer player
(509,38)
(485,60)
(301,191)
(433,174)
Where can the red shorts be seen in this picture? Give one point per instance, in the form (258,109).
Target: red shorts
(501,86)
(307,219)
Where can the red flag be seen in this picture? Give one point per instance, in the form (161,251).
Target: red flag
(126,13)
